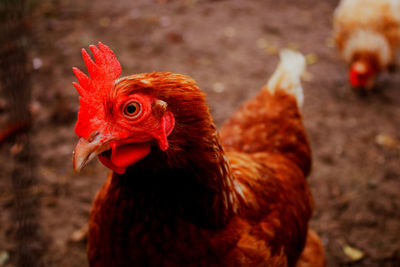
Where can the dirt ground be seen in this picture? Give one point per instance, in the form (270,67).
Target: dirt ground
(230,48)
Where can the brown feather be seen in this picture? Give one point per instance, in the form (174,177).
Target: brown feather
(196,204)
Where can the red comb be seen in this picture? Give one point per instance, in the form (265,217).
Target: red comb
(94,89)
(102,73)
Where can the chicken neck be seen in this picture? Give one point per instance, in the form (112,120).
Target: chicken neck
(191,180)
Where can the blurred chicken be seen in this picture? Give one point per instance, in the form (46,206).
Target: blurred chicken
(178,196)
(367,34)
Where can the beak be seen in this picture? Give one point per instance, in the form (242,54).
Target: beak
(85,151)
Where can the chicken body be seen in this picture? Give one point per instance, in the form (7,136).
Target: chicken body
(367,34)
(238,200)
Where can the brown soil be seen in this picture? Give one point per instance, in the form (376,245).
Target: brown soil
(229,47)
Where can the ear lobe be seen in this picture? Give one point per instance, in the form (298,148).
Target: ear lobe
(167,124)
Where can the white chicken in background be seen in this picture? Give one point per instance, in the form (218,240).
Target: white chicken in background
(367,34)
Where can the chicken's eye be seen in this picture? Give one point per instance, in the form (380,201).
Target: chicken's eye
(132,109)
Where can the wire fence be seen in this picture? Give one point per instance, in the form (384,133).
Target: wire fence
(15,28)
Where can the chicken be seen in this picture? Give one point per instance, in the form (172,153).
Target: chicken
(367,34)
(178,194)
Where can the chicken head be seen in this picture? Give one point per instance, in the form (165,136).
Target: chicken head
(117,123)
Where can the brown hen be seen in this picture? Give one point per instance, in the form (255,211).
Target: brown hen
(181,195)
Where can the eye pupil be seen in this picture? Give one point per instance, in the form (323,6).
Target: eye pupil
(131,108)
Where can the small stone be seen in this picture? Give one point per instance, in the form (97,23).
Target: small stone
(165,21)
(311,58)
(80,234)
(4,257)
(37,63)
(218,87)
(387,141)
(353,253)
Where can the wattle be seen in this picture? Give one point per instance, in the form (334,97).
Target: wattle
(124,156)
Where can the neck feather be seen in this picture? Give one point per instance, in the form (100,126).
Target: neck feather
(192,178)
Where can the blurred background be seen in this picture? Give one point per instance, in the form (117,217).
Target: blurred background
(230,48)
